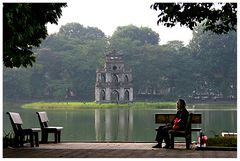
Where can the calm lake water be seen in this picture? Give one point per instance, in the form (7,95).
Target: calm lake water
(127,125)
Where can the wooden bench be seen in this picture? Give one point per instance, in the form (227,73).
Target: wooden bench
(187,134)
(20,133)
(56,130)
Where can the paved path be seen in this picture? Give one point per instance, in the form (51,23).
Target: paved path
(111,150)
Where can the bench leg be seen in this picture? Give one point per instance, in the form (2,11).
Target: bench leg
(56,136)
(59,136)
(31,140)
(44,137)
(21,140)
(188,140)
(36,139)
(17,141)
(172,141)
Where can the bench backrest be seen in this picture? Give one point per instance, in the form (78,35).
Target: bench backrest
(167,118)
(189,123)
(43,119)
(16,121)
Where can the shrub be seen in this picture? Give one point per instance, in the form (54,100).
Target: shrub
(229,141)
(8,139)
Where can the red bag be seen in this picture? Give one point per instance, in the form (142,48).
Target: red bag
(175,124)
(204,139)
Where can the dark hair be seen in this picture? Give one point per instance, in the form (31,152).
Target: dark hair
(182,103)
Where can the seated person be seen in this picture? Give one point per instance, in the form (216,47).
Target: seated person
(179,123)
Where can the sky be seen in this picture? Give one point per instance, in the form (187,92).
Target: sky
(107,15)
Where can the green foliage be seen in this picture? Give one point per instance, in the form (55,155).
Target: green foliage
(62,62)
(216,19)
(216,61)
(78,32)
(8,139)
(16,83)
(139,36)
(24,27)
(222,141)
(69,59)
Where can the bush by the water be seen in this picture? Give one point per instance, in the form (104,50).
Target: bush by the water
(230,141)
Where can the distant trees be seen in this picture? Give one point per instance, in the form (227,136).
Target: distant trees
(77,31)
(68,60)
(215,59)
(140,36)
(218,18)
(24,27)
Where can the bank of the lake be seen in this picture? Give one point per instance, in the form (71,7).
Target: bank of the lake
(94,105)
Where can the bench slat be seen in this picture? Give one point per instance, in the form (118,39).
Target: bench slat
(167,118)
(196,129)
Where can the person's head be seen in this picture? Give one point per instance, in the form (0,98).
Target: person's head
(181,104)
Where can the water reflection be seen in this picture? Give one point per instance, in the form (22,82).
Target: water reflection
(113,124)
(120,124)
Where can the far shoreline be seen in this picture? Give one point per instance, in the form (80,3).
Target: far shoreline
(134,105)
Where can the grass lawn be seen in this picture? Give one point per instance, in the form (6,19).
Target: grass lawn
(94,105)
(135,105)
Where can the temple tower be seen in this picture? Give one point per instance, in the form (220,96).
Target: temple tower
(113,81)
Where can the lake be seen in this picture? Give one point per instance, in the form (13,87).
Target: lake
(125,125)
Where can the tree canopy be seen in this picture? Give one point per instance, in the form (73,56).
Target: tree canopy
(67,61)
(141,36)
(24,27)
(219,18)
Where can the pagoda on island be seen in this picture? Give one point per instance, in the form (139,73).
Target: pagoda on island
(113,81)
